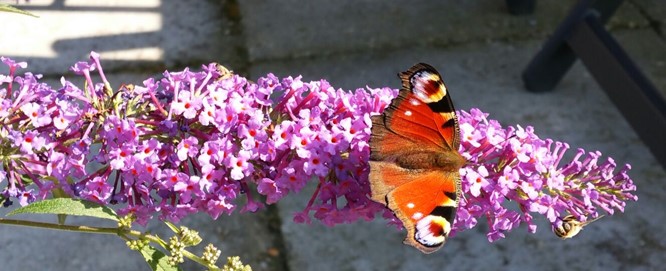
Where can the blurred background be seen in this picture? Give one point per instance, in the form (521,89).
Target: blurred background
(478,46)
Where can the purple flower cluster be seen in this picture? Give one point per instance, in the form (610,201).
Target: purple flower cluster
(514,167)
(189,142)
(210,141)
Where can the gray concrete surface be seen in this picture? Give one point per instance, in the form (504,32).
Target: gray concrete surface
(477,46)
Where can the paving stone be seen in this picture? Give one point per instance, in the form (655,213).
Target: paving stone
(655,11)
(150,35)
(283,29)
(487,76)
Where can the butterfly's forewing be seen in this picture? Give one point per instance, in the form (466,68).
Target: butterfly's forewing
(414,159)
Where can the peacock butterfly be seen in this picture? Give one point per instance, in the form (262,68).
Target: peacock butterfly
(414,158)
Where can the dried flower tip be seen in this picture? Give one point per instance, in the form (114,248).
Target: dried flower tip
(571,227)
(175,244)
(125,222)
(211,254)
(175,259)
(189,237)
(176,247)
(224,72)
(132,244)
(234,264)
(137,244)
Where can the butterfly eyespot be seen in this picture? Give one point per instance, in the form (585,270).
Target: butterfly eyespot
(432,230)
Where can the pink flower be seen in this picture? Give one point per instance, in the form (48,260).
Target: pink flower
(188,148)
(186,105)
(477,180)
(239,165)
(268,188)
(97,190)
(36,113)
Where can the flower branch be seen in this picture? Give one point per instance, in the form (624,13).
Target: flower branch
(208,140)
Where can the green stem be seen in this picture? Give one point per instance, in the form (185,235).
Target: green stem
(198,259)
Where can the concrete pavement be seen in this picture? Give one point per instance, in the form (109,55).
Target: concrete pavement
(477,46)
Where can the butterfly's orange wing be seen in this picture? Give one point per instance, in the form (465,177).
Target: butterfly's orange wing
(414,159)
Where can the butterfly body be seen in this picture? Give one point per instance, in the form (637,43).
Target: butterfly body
(414,158)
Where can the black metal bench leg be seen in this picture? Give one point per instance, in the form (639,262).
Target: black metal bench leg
(632,92)
(582,35)
(556,57)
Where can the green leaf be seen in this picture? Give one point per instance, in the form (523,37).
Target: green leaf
(8,8)
(157,259)
(67,206)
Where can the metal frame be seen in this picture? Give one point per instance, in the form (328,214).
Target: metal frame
(582,36)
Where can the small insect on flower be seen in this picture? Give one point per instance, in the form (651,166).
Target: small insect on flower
(224,72)
(571,227)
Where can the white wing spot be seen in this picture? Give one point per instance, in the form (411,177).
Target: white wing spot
(417,216)
(408,113)
(422,96)
(410,205)
(414,102)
